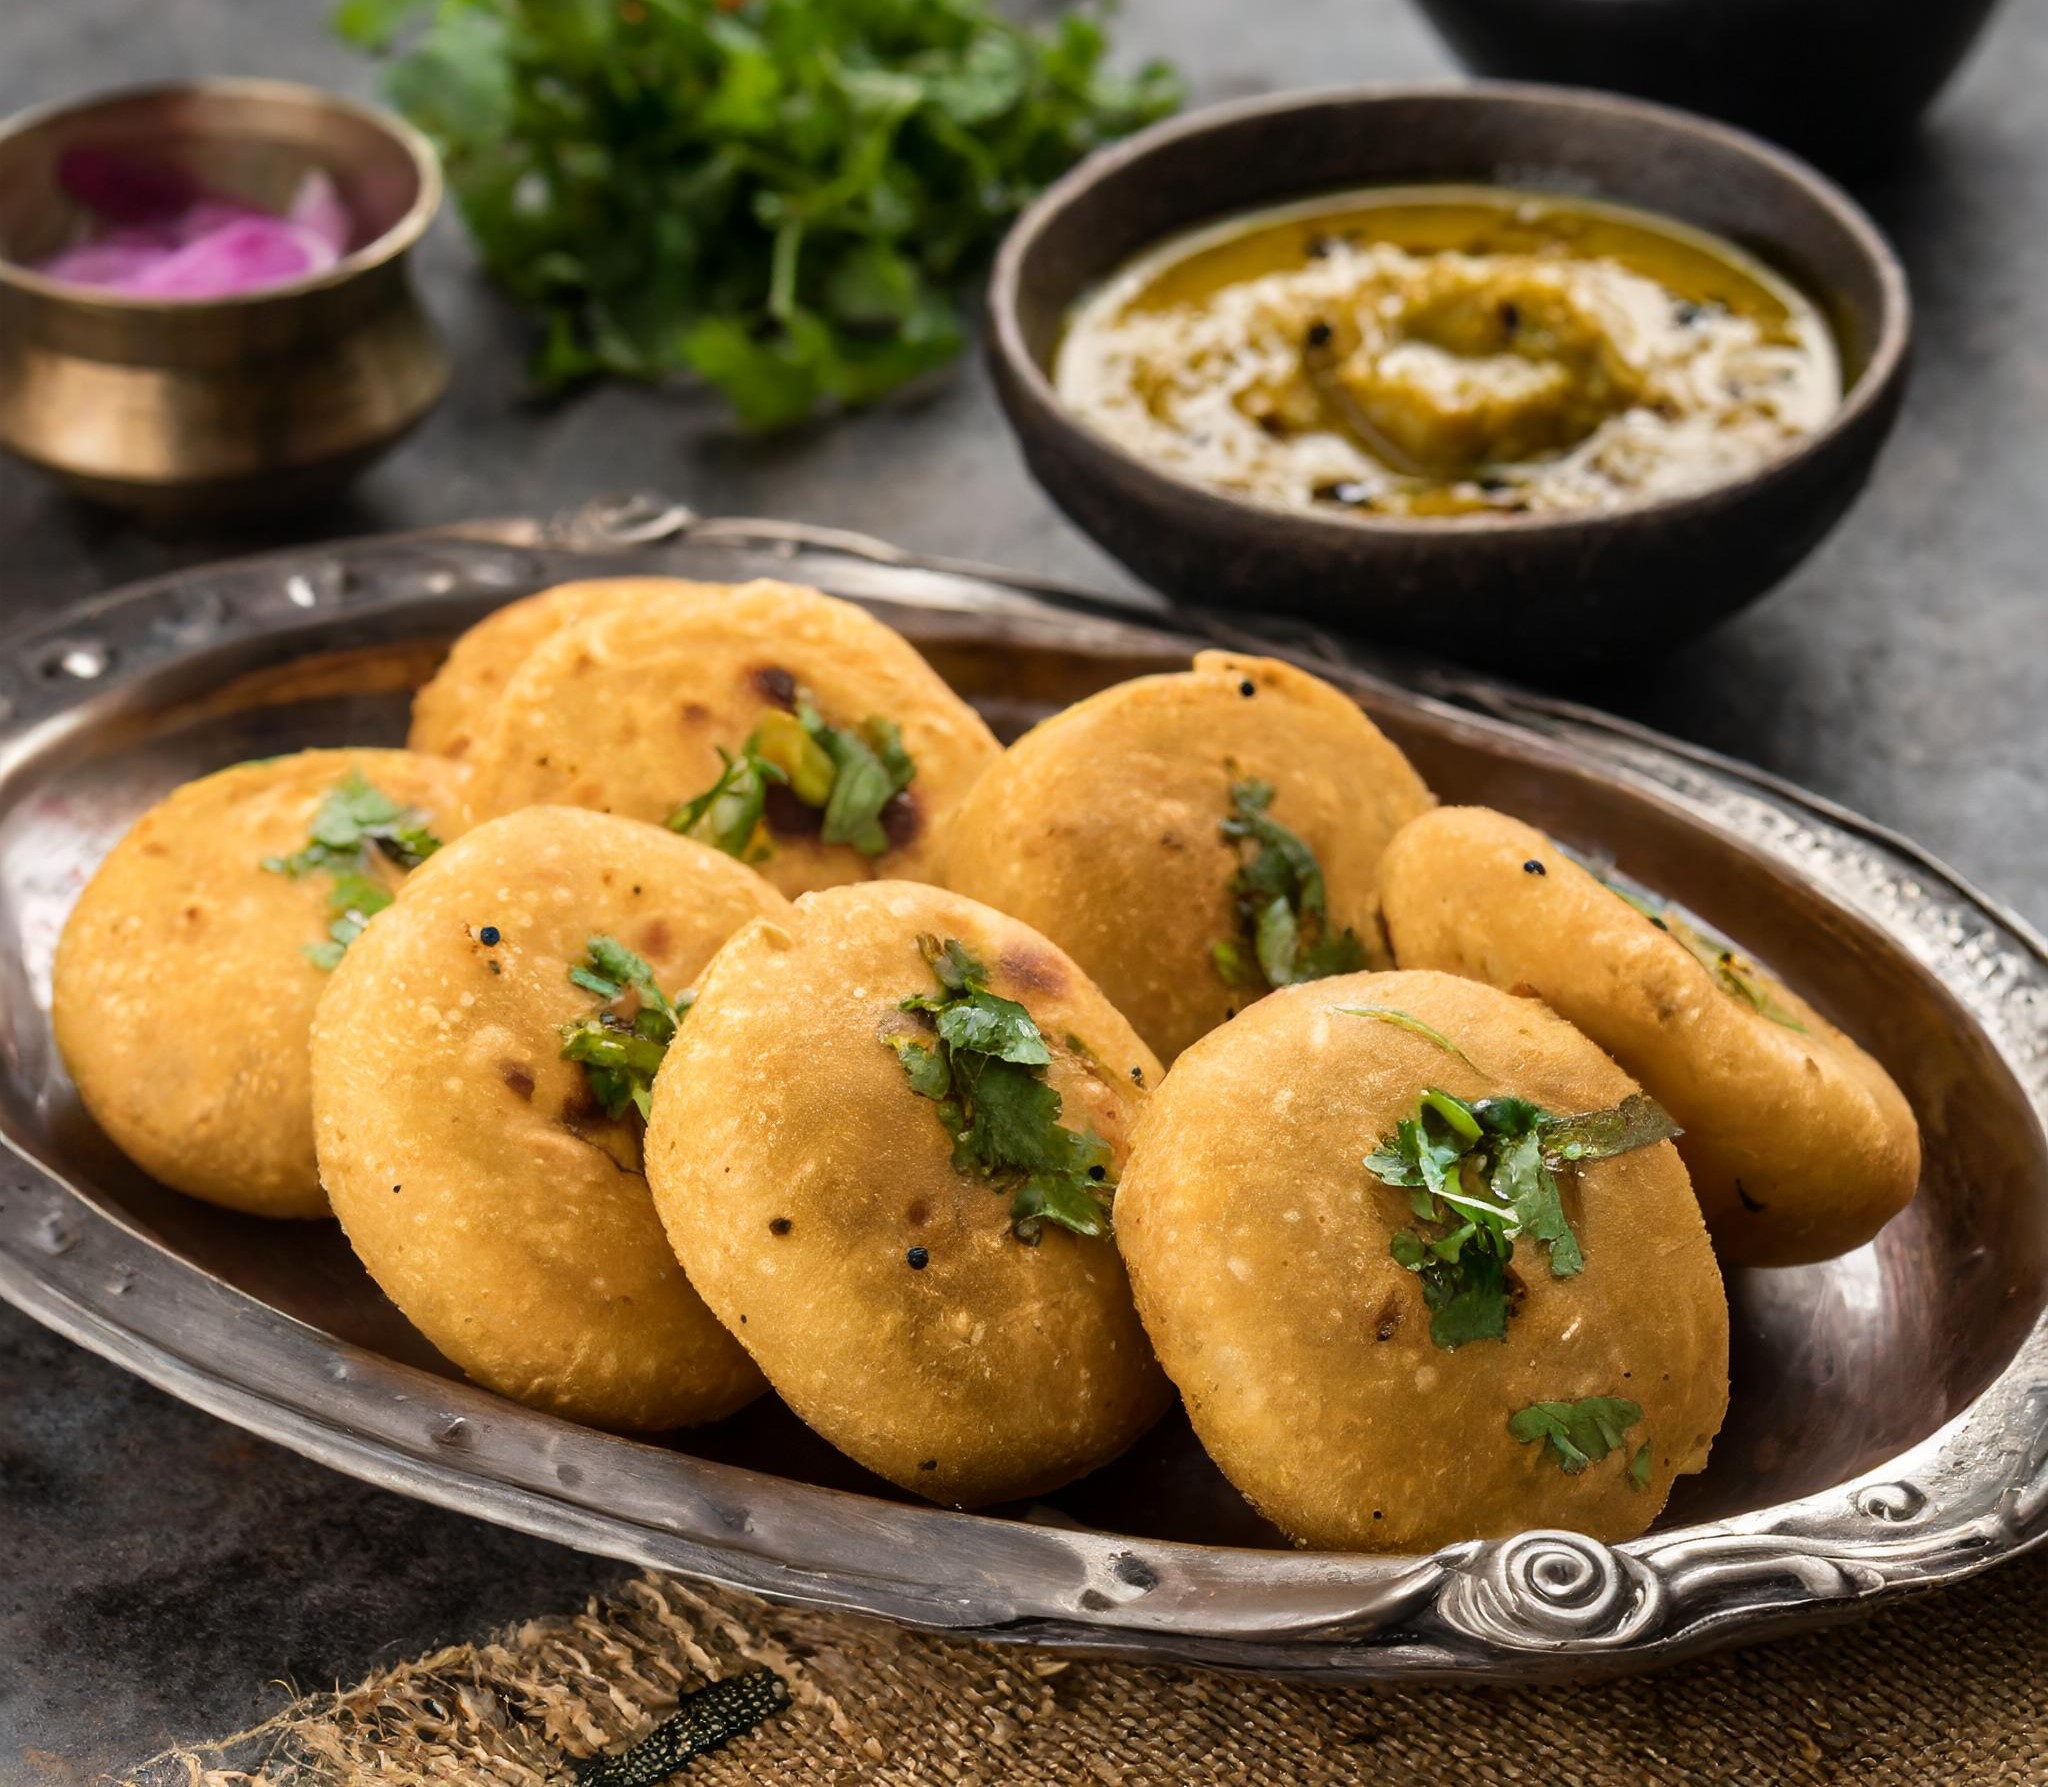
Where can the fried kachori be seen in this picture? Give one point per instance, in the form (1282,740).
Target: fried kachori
(1193,839)
(457,703)
(792,730)
(877,1156)
(1375,1366)
(485,1169)
(187,973)
(1799,1144)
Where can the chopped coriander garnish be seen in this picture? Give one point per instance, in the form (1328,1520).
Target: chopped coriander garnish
(1402,1020)
(792,199)
(848,777)
(728,813)
(621,1053)
(353,901)
(355,823)
(357,816)
(1282,907)
(1639,1121)
(1584,1432)
(1484,1174)
(1731,972)
(984,1066)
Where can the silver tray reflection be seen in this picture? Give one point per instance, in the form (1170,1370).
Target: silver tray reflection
(1889,1429)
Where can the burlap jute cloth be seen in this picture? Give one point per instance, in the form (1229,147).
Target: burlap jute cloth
(1949,1688)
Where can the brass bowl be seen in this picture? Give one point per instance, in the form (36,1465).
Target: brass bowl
(180,409)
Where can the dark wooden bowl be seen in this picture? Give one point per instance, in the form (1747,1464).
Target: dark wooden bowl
(1844,81)
(1533,595)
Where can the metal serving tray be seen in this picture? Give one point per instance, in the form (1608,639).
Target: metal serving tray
(1889,1428)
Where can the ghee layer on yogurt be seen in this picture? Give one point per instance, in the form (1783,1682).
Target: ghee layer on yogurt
(1453,351)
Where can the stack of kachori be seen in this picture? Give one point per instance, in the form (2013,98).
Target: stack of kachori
(706,1005)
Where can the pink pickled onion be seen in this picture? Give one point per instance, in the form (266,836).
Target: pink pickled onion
(317,206)
(247,255)
(170,239)
(204,217)
(124,190)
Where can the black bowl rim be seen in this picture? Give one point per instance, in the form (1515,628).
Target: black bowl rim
(396,240)
(1027,381)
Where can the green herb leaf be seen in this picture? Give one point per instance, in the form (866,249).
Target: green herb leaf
(1401,1020)
(1329,954)
(985,1070)
(956,970)
(372,24)
(1639,1121)
(613,960)
(1470,1121)
(850,777)
(620,1052)
(354,824)
(1639,1467)
(352,902)
(792,199)
(728,813)
(355,892)
(1423,1151)
(623,1063)
(1482,1176)
(595,983)
(885,739)
(1523,1178)
(357,816)
(929,1075)
(1281,904)
(1738,978)
(1464,1278)
(868,779)
(1469,1302)
(1054,1197)
(1581,1433)
(983,1024)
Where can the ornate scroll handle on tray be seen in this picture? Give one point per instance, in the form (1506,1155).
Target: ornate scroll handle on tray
(1550,1590)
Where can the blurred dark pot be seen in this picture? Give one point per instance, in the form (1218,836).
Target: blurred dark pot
(1841,81)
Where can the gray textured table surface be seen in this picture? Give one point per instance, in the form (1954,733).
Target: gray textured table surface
(160,1572)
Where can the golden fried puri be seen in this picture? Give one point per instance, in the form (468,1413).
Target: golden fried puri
(184,982)
(1102,827)
(812,1194)
(1799,1145)
(474,1170)
(1260,1249)
(453,708)
(628,711)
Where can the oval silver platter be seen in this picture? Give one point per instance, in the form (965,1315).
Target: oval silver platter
(1889,1428)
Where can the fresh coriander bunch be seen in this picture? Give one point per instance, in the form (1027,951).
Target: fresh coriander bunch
(787,198)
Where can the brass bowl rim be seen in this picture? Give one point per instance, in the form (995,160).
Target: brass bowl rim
(378,252)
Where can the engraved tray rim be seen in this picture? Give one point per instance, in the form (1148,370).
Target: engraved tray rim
(1540,1604)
